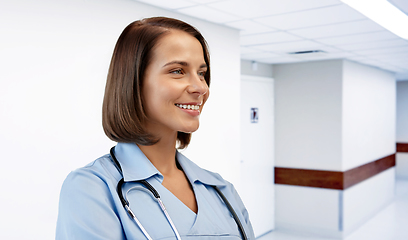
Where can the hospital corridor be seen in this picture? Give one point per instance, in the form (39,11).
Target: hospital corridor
(304,131)
(390,223)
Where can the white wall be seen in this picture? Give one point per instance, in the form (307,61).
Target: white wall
(332,115)
(308,115)
(314,211)
(308,136)
(54,58)
(368,119)
(368,134)
(402,166)
(332,213)
(365,199)
(402,111)
(251,68)
(402,128)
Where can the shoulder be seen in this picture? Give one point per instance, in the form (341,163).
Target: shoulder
(92,184)
(87,197)
(94,179)
(100,171)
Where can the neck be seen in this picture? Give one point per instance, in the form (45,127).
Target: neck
(162,154)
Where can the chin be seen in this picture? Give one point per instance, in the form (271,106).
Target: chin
(189,129)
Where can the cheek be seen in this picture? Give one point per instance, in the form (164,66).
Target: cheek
(160,96)
(151,99)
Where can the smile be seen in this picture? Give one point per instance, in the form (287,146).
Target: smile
(191,107)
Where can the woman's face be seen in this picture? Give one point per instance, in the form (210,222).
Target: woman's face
(174,89)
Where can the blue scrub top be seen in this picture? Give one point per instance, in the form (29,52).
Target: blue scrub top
(90,208)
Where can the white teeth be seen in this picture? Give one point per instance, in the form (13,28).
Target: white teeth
(191,107)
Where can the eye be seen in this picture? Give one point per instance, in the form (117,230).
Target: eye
(177,71)
(201,74)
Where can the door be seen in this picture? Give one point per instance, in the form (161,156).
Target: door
(257,151)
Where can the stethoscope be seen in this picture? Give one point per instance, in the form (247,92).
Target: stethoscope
(152,190)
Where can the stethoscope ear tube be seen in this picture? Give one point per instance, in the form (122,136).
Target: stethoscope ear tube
(121,181)
(118,189)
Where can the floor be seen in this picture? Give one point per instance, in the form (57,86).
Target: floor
(389,224)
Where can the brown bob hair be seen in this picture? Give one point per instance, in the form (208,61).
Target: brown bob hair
(123,115)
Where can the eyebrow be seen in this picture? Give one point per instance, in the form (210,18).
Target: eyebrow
(182,63)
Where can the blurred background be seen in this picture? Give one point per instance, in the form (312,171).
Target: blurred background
(308,114)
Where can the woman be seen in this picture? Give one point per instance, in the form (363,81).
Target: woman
(155,92)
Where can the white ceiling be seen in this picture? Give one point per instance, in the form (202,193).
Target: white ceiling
(272,29)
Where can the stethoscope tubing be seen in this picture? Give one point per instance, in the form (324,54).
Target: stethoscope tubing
(234,214)
(125,203)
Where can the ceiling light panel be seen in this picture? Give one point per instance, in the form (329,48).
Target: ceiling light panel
(358,38)
(264,38)
(262,8)
(400,4)
(312,18)
(384,13)
(173,4)
(339,29)
(209,14)
(247,27)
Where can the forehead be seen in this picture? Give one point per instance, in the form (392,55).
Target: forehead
(178,45)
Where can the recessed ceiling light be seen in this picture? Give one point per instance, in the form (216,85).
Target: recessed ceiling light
(307,52)
(383,13)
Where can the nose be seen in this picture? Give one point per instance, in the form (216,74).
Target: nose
(197,86)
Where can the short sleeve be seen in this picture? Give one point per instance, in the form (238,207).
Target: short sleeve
(86,209)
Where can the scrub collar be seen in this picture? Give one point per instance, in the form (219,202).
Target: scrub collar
(136,166)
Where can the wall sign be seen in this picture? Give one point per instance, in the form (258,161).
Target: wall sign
(254,115)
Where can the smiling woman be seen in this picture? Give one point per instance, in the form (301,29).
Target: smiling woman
(123,113)
(157,86)
(174,88)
